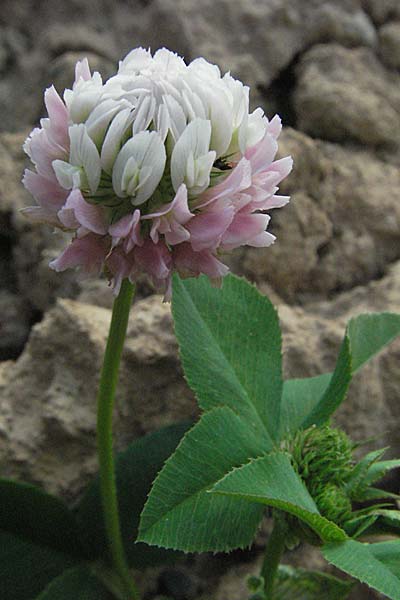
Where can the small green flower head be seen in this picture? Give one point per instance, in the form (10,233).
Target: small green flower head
(322,454)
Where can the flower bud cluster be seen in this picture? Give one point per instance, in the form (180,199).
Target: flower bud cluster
(161,168)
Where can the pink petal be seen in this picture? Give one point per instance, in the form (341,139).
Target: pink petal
(154,259)
(169,218)
(274,127)
(48,193)
(38,214)
(119,267)
(58,115)
(127,228)
(91,217)
(82,70)
(273,202)
(176,235)
(262,154)
(190,263)
(238,180)
(283,167)
(88,252)
(42,151)
(206,229)
(243,229)
(262,240)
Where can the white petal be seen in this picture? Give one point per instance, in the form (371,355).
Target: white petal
(144,114)
(190,147)
(113,139)
(83,153)
(162,122)
(139,167)
(67,175)
(177,118)
(137,59)
(100,118)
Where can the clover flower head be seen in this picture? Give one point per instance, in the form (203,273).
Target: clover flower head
(162,168)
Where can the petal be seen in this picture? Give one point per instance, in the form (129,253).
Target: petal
(239,179)
(148,153)
(206,229)
(83,153)
(58,116)
(89,216)
(244,228)
(45,191)
(190,263)
(119,267)
(144,114)
(82,70)
(194,142)
(38,214)
(153,259)
(88,252)
(262,153)
(274,126)
(113,139)
(101,117)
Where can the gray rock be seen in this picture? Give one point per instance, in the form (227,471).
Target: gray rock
(382,10)
(48,407)
(341,228)
(344,95)
(389,44)
(256,40)
(312,337)
(14,324)
(61,70)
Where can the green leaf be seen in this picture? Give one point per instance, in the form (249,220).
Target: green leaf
(379,469)
(377,565)
(271,480)
(179,513)
(369,333)
(299,398)
(365,336)
(386,522)
(36,516)
(78,583)
(236,358)
(389,554)
(136,468)
(357,485)
(300,584)
(26,568)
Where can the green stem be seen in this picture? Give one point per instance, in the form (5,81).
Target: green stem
(272,557)
(105,405)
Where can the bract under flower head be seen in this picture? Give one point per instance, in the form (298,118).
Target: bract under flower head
(159,169)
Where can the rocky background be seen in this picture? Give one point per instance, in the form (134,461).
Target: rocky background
(331,68)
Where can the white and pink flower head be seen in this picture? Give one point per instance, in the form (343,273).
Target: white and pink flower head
(161,168)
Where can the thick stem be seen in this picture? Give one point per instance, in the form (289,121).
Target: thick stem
(105,405)
(272,557)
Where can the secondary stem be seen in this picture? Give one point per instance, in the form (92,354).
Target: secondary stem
(105,405)
(272,557)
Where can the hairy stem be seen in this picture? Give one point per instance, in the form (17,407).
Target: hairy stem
(105,405)
(272,557)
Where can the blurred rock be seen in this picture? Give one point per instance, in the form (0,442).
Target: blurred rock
(382,10)
(258,39)
(48,407)
(389,44)
(47,412)
(61,70)
(341,228)
(14,324)
(347,95)
(312,337)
